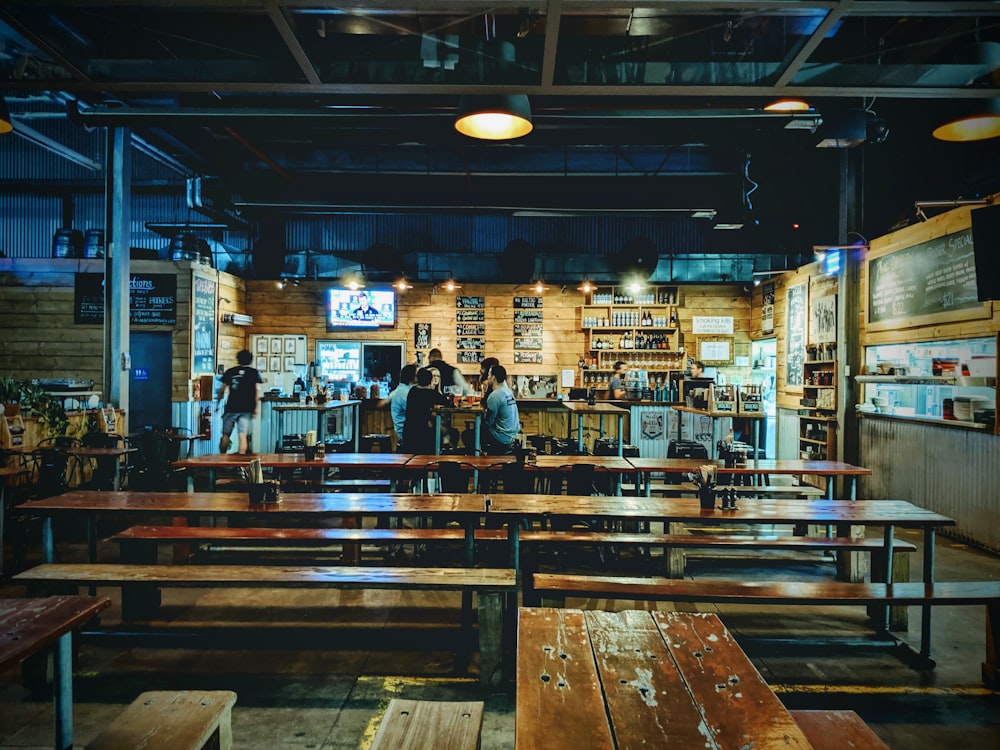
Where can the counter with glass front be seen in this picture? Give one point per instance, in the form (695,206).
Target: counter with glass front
(948,382)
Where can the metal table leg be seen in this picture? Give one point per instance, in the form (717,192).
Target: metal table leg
(62,692)
(925,615)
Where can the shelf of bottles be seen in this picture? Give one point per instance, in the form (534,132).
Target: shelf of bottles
(818,422)
(618,320)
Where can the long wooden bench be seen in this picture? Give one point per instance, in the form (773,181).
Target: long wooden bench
(139,545)
(418,725)
(492,586)
(836,730)
(554,588)
(166,720)
(769,490)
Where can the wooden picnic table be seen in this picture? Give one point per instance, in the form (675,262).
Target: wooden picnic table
(757,468)
(609,680)
(839,513)
(28,626)
(215,461)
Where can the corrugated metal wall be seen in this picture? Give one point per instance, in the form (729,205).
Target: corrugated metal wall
(787,436)
(954,472)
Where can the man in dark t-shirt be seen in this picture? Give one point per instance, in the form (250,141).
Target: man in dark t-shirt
(418,429)
(243,383)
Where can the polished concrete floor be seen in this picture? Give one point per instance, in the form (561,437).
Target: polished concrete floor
(320,668)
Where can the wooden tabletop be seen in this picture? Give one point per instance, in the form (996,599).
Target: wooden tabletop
(606,680)
(235,503)
(762,466)
(599,407)
(29,625)
(790,510)
(271,460)
(326,406)
(708,413)
(544,462)
(89,451)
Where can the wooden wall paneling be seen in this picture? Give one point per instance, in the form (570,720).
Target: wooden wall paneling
(928,329)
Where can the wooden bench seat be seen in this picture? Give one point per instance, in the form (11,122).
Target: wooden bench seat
(167,720)
(554,588)
(490,584)
(770,490)
(836,730)
(442,725)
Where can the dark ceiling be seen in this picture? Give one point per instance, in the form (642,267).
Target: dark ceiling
(299,106)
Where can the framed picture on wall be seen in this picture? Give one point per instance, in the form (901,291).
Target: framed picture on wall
(715,350)
(795,333)
(823,320)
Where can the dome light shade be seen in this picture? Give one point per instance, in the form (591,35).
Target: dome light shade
(494,118)
(5,122)
(977,126)
(787,105)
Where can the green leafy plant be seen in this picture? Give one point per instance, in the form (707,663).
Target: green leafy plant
(10,390)
(35,402)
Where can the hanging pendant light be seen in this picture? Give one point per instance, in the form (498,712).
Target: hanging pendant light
(983,120)
(788,105)
(493,117)
(6,124)
(976,126)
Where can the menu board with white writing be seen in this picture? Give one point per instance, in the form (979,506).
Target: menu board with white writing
(936,276)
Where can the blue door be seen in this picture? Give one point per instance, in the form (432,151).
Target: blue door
(149,389)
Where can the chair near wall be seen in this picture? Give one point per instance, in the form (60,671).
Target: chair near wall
(108,472)
(153,468)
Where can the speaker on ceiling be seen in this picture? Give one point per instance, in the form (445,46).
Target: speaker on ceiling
(986,246)
(517,262)
(638,257)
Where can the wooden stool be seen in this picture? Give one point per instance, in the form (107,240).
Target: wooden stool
(443,725)
(182,720)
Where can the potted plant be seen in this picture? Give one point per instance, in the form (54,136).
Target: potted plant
(10,395)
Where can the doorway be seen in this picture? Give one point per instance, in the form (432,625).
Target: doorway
(152,376)
(763,358)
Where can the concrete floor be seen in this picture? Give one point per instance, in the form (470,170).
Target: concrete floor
(327,687)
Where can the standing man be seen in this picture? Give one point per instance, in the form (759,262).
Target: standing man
(243,383)
(697,369)
(449,373)
(501,421)
(616,387)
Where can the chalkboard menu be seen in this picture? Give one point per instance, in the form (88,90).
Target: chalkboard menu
(152,298)
(795,335)
(936,276)
(202,325)
(525,303)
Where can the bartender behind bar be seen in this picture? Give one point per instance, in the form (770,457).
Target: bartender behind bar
(695,385)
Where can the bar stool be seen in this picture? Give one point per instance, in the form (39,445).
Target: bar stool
(368,443)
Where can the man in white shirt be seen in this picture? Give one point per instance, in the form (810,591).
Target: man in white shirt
(397,400)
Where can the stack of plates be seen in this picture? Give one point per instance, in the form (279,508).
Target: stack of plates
(964,407)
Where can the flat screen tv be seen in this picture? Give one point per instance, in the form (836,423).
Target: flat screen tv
(361,309)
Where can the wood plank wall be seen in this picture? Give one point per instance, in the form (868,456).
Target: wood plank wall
(301,310)
(40,340)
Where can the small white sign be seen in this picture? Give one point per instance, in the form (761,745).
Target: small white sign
(568,378)
(712,324)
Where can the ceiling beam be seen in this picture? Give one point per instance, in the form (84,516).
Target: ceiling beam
(284,27)
(397,89)
(815,39)
(553,17)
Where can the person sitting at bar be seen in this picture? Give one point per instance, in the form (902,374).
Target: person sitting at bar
(501,421)
(396,401)
(484,374)
(450,375)
(418,427)
(616,387)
